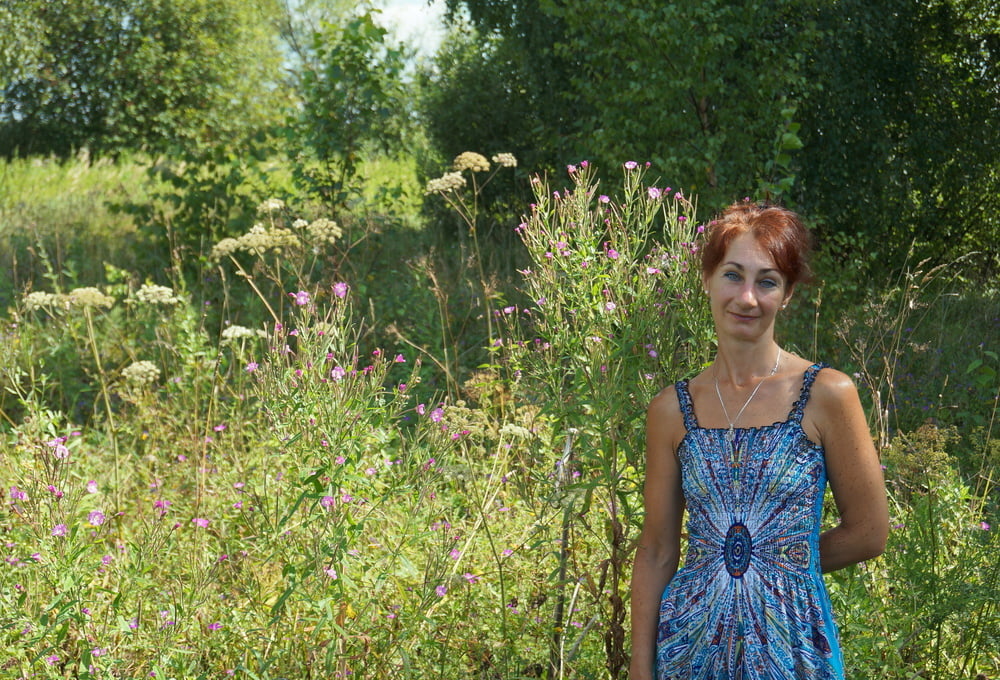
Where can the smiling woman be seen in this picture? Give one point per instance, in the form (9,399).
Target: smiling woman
(750,601)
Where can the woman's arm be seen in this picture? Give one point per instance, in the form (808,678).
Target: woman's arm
(854,472)
(658,551)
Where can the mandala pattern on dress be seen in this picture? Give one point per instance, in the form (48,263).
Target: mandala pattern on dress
(750,602)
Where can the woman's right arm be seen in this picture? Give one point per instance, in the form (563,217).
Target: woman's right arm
(658,551)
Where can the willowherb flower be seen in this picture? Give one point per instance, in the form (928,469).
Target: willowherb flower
(340,289)
(59,449)
(449,181)
(237,332)
(96,518)
(505,160)
(89,296)
(141,372)
(324,231)
(470,160)
(59,530)
(156,295)
(39,300)
(271,205)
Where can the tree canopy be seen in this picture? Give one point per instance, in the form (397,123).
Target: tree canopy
(119,74)
(878,119)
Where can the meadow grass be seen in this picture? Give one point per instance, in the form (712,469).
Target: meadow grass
(368,462)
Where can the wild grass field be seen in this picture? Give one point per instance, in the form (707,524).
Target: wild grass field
(307,448)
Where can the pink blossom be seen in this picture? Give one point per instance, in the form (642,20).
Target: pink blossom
(654,193)
(328,502)
(96,518)
(200,522)
(59,530)
(603,198)
(92,486)
(340,289)
(400,359)
(441,590)
(631,165)
(301,298)
(331,572)
(437,415)
(58,446)
(252,366)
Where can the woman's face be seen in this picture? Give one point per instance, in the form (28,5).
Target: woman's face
(746,291)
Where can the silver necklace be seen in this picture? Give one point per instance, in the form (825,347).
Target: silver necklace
(730,434)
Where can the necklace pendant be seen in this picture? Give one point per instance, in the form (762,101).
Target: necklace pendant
(730,436)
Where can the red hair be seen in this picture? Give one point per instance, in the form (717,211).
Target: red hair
(777,230)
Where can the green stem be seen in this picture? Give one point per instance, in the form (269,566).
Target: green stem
(106,398)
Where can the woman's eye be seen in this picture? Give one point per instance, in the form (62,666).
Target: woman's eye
(768,283)
(731,276)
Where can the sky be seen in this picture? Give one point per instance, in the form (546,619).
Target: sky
(416,23)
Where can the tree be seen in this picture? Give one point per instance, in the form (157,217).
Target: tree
(901,147)
(707,90)
(353,98)
(127,74)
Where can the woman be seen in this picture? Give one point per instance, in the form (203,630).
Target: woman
(747,447)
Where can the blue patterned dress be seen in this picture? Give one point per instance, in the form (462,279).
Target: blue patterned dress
(750,602)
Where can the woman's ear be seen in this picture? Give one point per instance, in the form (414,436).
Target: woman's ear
(788,297)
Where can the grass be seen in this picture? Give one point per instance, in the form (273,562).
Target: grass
(369,485)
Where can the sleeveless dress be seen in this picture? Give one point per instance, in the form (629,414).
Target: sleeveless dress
(750,602)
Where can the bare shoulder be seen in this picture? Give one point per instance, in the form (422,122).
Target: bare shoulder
(832,388)
(664,420)
(834,407)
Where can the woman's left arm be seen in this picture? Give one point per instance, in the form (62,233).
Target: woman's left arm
(854,472)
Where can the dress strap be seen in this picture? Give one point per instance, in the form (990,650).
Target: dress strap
(687,406)
(807,382)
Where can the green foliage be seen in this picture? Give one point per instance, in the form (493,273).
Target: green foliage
(55,221)
(279,499)
(135,74)
(898,148)
(613,313)
(495,89)
(713,86)
(877,120)
(352,101)
(928,607)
